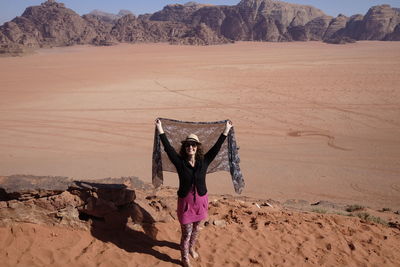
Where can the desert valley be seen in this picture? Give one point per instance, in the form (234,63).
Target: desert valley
(318,126)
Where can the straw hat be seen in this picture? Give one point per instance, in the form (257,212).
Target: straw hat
(191,138)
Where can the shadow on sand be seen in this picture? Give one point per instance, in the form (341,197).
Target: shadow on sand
(134,241)
(109,216)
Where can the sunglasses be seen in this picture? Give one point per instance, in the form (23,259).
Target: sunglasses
(192,144)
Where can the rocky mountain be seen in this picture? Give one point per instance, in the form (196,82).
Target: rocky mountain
(379,22)
(109,17)
(177,12)
(268,20)
(131,29)
(52,24)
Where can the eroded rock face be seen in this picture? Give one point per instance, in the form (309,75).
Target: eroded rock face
(337,25)
(59,200)
(316,28)
(379,22)
(177,12)
(108,17)
(131,29)
(354,27)
(102,28)
(52,24)
(261,20)
(395,35)
(199,35)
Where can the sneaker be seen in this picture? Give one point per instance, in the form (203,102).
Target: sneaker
(193,253)
(186,263)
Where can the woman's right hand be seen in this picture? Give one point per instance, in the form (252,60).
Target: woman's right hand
(159,126)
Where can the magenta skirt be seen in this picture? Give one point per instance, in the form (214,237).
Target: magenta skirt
(192,208)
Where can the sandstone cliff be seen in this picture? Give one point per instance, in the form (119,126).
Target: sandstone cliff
(267,20)
(52,24)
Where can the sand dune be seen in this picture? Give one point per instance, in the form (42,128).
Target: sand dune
(313,121)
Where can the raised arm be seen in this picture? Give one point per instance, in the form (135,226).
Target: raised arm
(172,155)
(212,153)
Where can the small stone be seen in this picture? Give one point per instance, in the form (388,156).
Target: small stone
(219,223)
(254,261)
(266,204)
(3,204)
(13,204)
(351,246)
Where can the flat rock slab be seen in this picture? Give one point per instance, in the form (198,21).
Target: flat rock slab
(20,183)
(25,187)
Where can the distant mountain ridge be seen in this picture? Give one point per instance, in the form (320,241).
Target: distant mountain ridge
(52,24)
(109,17)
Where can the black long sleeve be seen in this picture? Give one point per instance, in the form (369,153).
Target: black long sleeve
(172,155)
(212,153)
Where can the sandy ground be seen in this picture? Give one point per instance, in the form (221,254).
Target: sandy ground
(314,121)
(249,236)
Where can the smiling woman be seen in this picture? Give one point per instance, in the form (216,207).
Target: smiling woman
(191,166)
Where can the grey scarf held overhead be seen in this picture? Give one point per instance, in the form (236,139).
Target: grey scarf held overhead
(208,132)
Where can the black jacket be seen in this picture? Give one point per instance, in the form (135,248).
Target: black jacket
(189,175)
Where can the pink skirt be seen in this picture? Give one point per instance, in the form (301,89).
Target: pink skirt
(192,209)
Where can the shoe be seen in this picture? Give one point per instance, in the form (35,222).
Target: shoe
(186,263)
(194,254)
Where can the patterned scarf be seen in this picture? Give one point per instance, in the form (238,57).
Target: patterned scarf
(208,133)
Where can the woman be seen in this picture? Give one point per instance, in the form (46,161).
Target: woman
(191,165)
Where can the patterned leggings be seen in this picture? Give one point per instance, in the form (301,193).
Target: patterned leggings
(190,232)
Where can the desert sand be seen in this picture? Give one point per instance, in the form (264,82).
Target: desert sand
(313,121)
(236,233)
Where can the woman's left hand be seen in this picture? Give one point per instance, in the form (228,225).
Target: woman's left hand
(228,127)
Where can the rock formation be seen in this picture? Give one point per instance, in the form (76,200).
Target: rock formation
(52,24)
(132,30)
(267,20)
(177,12)
(106,203)
(395,35)
(379,22)
(109,17)
(336,25)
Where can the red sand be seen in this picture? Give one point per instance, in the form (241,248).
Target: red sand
(314,121)
(252,236)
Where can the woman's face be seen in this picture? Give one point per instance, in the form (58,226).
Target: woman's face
(191,148)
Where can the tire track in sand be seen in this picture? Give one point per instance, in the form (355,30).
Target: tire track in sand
(331,138)
(395,187)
